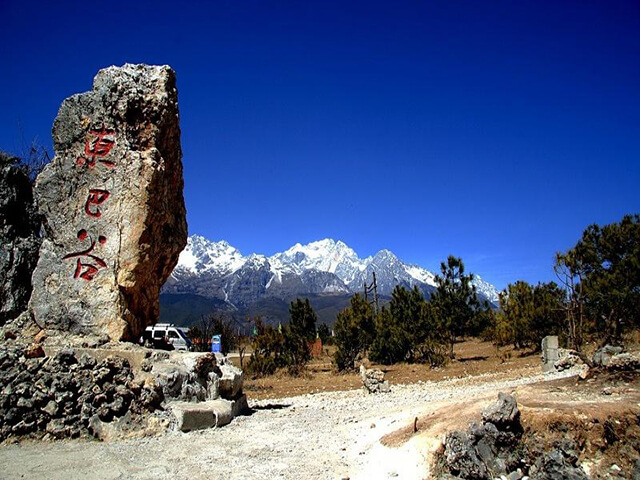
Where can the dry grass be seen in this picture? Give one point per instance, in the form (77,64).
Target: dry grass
(473,357)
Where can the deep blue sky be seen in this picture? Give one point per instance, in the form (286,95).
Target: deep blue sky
(495,131)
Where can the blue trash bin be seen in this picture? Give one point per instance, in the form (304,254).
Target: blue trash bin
(216,343)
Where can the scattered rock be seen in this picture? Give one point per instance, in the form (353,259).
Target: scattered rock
(461,457)
(373,380)
(487,449)
(623,362)
(568,359)
(585,372)
(555,466)
(603,355)
(59,395)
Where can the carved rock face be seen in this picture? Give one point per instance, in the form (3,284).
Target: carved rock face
(114,215)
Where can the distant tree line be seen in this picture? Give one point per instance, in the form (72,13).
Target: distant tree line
(598,296)
(287,346)
(410,328)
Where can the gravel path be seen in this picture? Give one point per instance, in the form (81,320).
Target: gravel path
(320,436)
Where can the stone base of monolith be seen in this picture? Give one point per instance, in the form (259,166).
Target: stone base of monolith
(114,214)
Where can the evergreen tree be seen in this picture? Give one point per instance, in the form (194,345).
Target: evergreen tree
(398,327)
(324,332)
(607,260)
(354,332)
(455,300)
(407,330)
(528,314)
(302,320)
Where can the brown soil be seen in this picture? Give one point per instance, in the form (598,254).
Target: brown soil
(600,415)
(473,357)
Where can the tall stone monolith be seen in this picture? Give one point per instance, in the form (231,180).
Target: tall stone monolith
(112,203)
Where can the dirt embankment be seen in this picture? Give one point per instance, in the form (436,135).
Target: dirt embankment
(596,420)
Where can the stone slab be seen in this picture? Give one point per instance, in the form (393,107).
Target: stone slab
(198,416)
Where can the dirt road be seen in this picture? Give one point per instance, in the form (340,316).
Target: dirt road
(323,436)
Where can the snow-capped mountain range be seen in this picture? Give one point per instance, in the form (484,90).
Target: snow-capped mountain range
(326,267)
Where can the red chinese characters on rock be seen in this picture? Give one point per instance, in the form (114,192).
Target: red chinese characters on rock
(96,197)
(97,146)
(87,264)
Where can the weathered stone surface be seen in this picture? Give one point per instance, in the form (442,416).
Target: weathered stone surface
(230,384)
(19,239)
(197,377)
(624,362)
(114,215)
(373,380)
(504,413)
(549,352)
(461,457)
(603,355)
(487,449)
(555,466)
(65,395)
(568,359)
(214,413)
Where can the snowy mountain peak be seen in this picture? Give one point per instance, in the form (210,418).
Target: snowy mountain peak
(326,266)
(201,255)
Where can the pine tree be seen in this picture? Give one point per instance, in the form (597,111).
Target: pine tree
(354,332)
(302,320)
(606,261)
(455,300)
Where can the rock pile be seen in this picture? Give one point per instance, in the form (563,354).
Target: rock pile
(64,395)
(494,448)
(603,355)
(373,380)
(202,391)
(568,359)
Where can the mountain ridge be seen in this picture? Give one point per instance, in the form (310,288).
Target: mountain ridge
(326,267)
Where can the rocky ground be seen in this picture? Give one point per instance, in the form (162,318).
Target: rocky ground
(331,435)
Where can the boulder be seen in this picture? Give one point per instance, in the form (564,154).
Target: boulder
(555,466)
(112,203)
(230,383)
(19,239)
(373,380)
(213,413)
(461,457)
(603,355)
(487,449)
(194,377)
(504,414)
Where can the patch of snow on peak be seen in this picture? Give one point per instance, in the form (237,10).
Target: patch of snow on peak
(421,274)
(201,255)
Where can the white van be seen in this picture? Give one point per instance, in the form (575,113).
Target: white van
(166,336)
